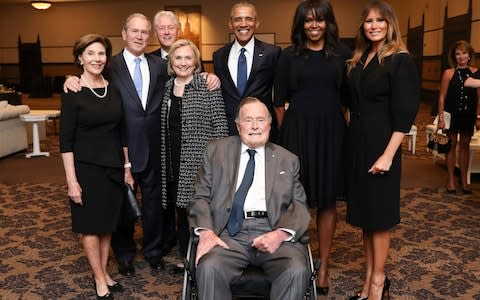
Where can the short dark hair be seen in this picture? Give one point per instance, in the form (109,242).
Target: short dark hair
(82,43)
(322,10)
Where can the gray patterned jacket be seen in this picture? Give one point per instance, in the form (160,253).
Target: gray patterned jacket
(203,120)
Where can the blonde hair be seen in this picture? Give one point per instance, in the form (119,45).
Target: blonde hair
(182,43)
(393,40)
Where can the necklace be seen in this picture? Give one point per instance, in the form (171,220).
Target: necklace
(178,84)
(463,104)
(93,91)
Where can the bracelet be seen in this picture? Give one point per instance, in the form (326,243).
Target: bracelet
(127,165)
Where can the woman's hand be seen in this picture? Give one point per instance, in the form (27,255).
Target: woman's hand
(381,166)
(441,123)
(75,192)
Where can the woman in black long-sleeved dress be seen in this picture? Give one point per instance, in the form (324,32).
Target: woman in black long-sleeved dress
(92,147)
(310,76)
(385,93)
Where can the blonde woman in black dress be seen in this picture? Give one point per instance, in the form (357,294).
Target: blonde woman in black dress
(92,150)
(385,91)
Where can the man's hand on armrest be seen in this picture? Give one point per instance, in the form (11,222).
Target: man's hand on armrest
(270,241)
(72,83)
(207,241)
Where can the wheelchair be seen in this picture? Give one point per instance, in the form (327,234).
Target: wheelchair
(252,284)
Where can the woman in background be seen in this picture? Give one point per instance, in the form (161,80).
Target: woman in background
(92,147)
(191,117)
(310,76)
(385,91)
(462,104)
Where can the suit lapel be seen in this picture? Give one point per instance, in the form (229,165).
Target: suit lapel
(258,57)
(125,79)
(270,171)
(232,169)
(225,69)
(153,79)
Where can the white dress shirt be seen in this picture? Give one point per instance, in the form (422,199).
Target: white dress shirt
(233,58)
(255,199)
(130,60)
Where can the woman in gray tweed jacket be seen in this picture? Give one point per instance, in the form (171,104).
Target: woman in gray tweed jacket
(191,117)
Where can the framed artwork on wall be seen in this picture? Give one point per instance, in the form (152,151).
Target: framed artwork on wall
(189,17)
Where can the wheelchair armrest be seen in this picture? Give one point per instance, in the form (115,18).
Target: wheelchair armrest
(304,239)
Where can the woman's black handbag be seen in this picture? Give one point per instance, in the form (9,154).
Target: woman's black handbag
(439,141)
(133,209)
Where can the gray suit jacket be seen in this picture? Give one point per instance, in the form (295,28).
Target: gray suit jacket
(216,182)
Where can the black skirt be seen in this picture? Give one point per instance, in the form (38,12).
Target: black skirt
(103,193)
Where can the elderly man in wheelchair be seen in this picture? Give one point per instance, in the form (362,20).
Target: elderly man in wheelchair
(261,230)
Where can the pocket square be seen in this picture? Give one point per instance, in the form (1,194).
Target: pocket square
(282,172)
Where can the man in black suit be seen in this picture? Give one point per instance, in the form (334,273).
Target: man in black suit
(141,102)
(261,60)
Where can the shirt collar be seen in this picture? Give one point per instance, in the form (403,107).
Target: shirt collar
(249,46)
(260,150)
(129,57)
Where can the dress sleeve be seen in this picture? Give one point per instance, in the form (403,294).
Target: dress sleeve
(282,75)
(405,92)
(68,122)
(218,116)
(476,75)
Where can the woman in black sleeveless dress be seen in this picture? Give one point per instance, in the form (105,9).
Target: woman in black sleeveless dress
(462,104)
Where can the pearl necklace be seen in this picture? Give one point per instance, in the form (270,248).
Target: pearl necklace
(93,91)
(178,84)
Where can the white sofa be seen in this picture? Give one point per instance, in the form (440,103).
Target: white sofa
(13,136)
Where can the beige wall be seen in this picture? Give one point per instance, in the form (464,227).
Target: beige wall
(64,22)
(60,25)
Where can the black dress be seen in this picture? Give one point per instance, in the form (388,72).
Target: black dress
(91,128)
(461,103)
(313,126)
(385,99)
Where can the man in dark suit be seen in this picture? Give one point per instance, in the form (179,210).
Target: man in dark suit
(273,211)
(141,87)
(167,29)
(261,61)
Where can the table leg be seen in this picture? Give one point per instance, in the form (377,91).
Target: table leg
(36,143)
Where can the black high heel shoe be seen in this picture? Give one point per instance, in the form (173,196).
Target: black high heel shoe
(116,287)
(358,297)
(108,295)
(386,289)
(322,290)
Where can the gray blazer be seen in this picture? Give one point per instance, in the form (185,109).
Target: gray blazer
(216,182)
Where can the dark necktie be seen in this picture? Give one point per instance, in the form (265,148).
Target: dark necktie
(236,217)
(241,72)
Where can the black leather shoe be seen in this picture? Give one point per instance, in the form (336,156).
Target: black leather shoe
(156,263)
(126,268)
(177,269)
(116,287)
